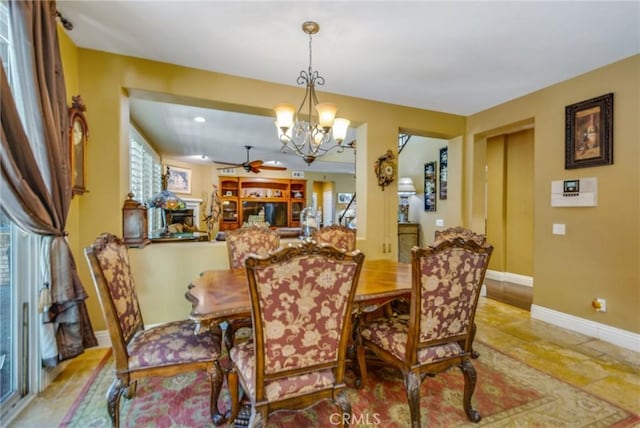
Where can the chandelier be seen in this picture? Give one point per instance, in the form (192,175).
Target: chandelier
(313,129)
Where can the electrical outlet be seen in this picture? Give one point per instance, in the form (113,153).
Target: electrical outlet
(599,304)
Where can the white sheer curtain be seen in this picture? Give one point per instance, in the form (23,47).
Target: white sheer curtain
(19,68)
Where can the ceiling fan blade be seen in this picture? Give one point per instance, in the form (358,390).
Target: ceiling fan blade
(274,168)
(227,163)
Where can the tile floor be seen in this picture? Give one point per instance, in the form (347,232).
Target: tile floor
(598,367)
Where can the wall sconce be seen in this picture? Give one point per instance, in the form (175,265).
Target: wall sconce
(405,189)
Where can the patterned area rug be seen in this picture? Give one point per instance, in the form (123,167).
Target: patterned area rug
(508,394)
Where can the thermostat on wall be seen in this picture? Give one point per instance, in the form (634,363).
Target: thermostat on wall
(581,192)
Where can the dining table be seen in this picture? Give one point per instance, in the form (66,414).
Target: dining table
(223,295)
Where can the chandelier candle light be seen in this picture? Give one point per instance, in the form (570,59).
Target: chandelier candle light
(322,131)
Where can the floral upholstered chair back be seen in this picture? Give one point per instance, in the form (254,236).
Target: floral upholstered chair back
(458,232)
(247,240)
(302,300)
(301,303)
(338,236)
(447,280)
(113,257)
(109,262)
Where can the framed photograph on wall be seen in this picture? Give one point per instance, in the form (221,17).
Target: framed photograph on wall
(179,180)
(589,133)
(344,198)
(430,186)
(444,154)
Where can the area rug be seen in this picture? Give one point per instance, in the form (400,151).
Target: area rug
(509,393)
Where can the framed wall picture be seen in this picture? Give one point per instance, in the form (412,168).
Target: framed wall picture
(179,180)
(344,198)
(444,154)
(78,136)
(589,133)
(430,186)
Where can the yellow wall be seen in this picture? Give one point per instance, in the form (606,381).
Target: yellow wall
(600,253)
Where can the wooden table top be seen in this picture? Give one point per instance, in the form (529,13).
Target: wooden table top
(224,294)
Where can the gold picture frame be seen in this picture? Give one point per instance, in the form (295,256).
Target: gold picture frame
(589,133)
(179,180)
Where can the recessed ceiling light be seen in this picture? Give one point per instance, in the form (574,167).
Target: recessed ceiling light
(199,119)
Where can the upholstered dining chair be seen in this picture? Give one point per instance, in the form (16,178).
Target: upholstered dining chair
(253,239)
(465,234)
(301,303)
(437,335)
(458,232)
(341,237)
(162,351)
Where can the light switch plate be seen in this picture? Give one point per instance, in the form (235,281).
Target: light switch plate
(559,229)
(439,222)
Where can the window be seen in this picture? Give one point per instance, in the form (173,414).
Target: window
(145,175)
(20,270)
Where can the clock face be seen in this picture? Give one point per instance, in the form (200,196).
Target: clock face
(388,170)
(78,132)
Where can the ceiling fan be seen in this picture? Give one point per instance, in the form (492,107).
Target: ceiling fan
(254,166)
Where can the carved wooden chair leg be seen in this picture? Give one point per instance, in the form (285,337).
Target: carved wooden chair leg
(113,401)
(412,386)
(474,353)
(344,405)
(361,380)
(215,383)
(470,378)
(232,384)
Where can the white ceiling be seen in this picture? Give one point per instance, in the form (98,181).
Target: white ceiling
(458,57)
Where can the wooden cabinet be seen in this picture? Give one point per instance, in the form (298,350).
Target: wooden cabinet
(408,237)
(280,200)
(229,192)
(298,201)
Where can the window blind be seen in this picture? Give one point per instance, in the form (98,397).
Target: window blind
(145,175)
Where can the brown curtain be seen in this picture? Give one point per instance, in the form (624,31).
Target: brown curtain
(26,197)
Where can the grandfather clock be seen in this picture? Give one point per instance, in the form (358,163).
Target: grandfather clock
(134,223)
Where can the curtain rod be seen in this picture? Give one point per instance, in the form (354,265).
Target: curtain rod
(68,25)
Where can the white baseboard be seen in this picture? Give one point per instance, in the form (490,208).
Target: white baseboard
(619,337)
(104,341)
(514,278)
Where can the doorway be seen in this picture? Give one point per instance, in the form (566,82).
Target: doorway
(509,206)
(323,200)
